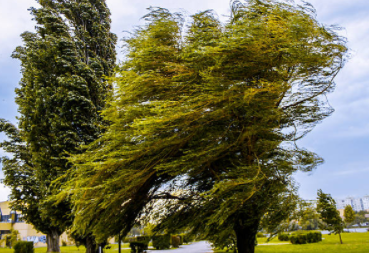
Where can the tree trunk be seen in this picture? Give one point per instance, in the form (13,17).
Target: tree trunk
(52,241)
(246,236)
(340,238)
(91,246)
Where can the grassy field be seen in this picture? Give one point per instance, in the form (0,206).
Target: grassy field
(352,243)
(74,249)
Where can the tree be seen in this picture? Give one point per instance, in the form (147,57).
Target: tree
(204,122)
(349,214)
(329,214)
(307,216)
(61,93)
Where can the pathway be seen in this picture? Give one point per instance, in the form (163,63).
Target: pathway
(197,247)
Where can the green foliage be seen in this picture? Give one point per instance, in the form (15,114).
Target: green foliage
(260,235)
(314,237)
(329,214)
(303,237)
(204,123)
(23,247)
(307,216)
(349,214)
(161,241)
(62,90)
(298,239)
(181,236)
(175,241)
(138,247)
(283,237)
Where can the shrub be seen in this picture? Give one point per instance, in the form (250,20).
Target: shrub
(138,247)
(302,238)
(283,237)
(298,239)
(293,239)
(144,239)
(161,241)
(314,237)
(187,238)
(23,247)
(64,243)
(260,235)
(181,239)
(176,240)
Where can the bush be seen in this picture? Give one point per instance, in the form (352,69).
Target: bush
(302,238)
(181,239)
(314,237)
(23,247)
(64,243)
(144,239)
(176,240)
(260,235)
(161,241)
(138,247)
(283,237)
(187,238)
(298,239)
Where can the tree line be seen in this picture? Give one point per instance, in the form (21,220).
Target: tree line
(196,129)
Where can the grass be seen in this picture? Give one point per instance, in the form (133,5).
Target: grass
(352,243)
(74,249)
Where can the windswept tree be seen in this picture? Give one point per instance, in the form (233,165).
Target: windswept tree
(204,122)
(329,214)
(62,91)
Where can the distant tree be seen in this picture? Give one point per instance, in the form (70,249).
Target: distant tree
(360,218)
(205,120)
(349,214)
(329,214)
(307,216)
(64,65)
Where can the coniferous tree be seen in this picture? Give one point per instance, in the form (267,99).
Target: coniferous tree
(207,121)
(61,93)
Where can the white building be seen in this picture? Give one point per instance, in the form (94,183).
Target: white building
(357,204)
(342,203)
(365,200)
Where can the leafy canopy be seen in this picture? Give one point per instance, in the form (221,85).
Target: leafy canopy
(62,90)
(205,117)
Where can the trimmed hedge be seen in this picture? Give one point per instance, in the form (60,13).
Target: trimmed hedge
(283,237)
(138,247)
(302,238)
(176,240)
(161,241)
(181,239)
(260,235)
(23,247)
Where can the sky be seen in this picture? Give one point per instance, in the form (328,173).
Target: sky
(342,139)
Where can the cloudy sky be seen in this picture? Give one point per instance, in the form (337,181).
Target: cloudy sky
(342,139)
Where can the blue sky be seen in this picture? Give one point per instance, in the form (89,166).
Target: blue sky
(342,139)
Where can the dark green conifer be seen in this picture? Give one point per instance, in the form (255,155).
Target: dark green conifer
(62,91)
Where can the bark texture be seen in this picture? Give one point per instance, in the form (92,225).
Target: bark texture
(52,240)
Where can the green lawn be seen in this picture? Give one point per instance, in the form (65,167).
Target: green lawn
(352,243)
(74,249)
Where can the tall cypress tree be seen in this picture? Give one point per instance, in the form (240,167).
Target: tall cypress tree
(62,90)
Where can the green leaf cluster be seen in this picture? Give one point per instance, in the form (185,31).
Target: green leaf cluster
(64,66)
(204,120)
